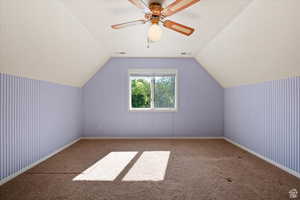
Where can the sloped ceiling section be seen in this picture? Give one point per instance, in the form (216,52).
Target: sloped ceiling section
(261,44)
(43,40)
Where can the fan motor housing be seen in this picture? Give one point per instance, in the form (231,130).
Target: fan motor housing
(156,9)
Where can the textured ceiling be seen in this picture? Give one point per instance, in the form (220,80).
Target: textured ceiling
(67,41)
(261,44)
(208,17)
(43,40)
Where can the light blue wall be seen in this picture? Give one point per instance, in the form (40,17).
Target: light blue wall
(265,118)
(200,102)
(37,118)
(61,119)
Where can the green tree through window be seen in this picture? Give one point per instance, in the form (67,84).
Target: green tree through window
(164,92)
(140,93)
(154,92)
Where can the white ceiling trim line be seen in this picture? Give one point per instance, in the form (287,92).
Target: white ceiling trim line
(49,42)
(221,30)
(257,46)
(101,61)
(76,18)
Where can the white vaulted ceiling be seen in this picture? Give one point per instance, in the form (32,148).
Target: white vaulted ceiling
(44,40)
(208,17)
(67,41)
(261,44)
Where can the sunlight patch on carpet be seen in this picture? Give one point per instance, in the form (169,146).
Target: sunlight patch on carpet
(151,166)
(108,168)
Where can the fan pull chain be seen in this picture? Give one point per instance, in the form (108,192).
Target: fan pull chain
(148,43)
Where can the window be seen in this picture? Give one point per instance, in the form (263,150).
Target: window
(152,90)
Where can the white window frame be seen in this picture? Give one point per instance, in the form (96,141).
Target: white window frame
(153,72)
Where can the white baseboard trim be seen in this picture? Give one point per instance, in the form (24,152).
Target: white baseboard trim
(152,138)
(5,180)
(286,169)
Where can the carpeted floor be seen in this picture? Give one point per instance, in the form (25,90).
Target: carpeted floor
(196,170)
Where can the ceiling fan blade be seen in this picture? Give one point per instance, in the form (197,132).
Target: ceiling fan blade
(141,5)
(179,27)
(127,24)
(177,6)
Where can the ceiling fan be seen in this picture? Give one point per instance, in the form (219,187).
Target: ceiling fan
(155,13)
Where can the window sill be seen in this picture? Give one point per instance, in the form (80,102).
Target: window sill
(152,110)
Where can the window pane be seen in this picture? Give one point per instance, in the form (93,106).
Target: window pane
(140,92)
(164,92)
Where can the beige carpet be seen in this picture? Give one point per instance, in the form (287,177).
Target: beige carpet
(152,169)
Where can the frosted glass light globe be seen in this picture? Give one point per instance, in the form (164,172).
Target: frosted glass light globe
(154,33)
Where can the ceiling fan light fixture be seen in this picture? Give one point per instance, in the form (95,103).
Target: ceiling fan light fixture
(155,13)
(154,33)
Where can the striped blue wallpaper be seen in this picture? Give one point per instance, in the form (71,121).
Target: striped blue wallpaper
(37,118)
(19,123)
(262,117)
(265,118)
